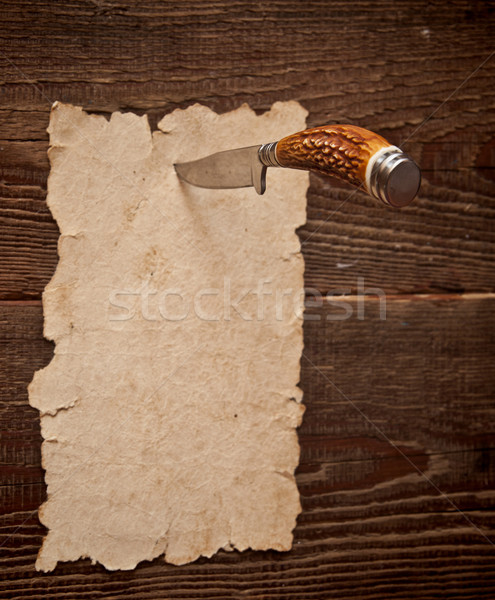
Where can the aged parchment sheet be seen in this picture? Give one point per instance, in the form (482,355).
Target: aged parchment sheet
(170,408)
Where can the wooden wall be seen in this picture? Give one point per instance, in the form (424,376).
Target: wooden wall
(397,475)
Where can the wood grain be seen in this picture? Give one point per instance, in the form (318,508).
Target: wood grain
(390,455)
(418,73)
(398,76)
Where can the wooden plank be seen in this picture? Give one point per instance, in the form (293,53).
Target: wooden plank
(396,477)
(443,243)
(417,73)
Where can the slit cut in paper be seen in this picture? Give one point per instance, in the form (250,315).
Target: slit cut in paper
(170,408)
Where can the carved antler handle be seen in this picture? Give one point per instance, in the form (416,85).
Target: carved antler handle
(353,154)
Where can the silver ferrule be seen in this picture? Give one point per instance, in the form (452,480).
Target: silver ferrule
(268,155)
(394,178)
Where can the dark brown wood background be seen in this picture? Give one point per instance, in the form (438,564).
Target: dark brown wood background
(397,472)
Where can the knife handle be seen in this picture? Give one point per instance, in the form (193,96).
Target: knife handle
(353,154)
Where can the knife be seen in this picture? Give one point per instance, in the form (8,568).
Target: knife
(353,154)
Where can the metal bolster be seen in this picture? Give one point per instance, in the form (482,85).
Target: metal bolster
(268,155)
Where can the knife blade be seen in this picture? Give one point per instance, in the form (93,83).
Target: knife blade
(350,153)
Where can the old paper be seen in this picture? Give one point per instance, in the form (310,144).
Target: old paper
(170,408)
